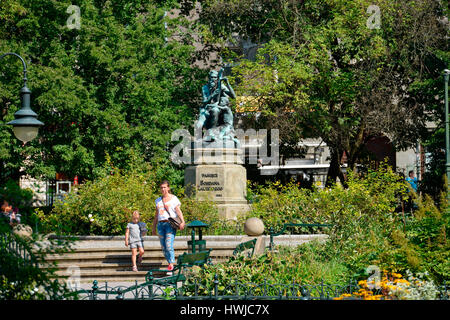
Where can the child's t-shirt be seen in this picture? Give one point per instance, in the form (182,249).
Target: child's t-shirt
(135,232)
(170,205)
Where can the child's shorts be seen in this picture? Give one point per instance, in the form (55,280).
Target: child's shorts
(139,244)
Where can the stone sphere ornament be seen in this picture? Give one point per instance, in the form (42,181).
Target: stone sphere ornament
(253,227)
(23,231)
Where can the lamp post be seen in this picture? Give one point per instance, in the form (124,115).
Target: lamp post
(447,137)
(25,123)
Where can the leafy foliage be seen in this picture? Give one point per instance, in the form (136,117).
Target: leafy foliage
(114,86)
(21,278)
(367,231)
(428,232)
(290,265)
(104,206)
(321,70)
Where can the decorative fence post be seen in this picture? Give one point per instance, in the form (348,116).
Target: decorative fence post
(94,290)
(136,290)
(216,286)
(120,295)
(150,287)
(321,290)
(304,293)
(271,232)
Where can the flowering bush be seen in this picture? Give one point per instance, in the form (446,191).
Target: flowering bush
(393,286)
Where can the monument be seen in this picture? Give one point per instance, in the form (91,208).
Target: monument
(216,172)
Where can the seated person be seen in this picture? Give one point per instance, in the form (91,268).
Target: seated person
(11,216)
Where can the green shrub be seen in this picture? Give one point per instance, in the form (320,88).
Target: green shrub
(366,231)
(20,279)
(427,231)
(288,265)
(19,198)
(366,228)
(104,206)
(363,215)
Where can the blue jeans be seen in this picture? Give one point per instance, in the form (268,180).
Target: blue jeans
(166,238)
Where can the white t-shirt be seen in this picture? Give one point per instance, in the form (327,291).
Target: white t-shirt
(170,206)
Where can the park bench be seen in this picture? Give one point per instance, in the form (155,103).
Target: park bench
(293,225)
(185,260)
(242,247)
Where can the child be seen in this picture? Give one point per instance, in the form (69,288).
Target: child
(134,237)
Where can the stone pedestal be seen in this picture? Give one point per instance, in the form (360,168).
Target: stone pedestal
(218,175)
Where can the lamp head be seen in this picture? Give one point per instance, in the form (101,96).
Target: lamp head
(25,123)
(446,74)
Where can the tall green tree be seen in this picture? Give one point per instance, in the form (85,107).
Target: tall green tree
(344,71)
(106,78)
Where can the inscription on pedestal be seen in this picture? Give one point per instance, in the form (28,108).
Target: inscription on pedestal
(211,182)
(223,183)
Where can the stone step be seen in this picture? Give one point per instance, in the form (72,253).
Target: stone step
(113,256)
(107,259)
(119,266)
(105,275)
(81,262)
(146,249)
(117,272)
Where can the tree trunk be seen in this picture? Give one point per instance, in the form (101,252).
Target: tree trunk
(335,171)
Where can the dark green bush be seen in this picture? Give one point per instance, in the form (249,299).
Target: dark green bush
(21,275)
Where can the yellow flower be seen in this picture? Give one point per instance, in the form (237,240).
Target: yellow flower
(345,295)
(402,281)
(362,283)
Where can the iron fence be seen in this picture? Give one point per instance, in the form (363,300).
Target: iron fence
(236,290)
(22,254)
(232,290)
(219,227)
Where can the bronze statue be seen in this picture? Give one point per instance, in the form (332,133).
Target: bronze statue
(215,113)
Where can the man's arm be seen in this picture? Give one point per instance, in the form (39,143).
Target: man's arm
(228,89)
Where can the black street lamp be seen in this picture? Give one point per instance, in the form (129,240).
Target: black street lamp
(447,137)
(25,123)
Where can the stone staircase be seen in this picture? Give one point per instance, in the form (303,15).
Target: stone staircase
(107,259)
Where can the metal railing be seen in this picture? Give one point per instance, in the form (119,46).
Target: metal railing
(286,226)
(236,290)
(219,227)
(23,254)
(232,290)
